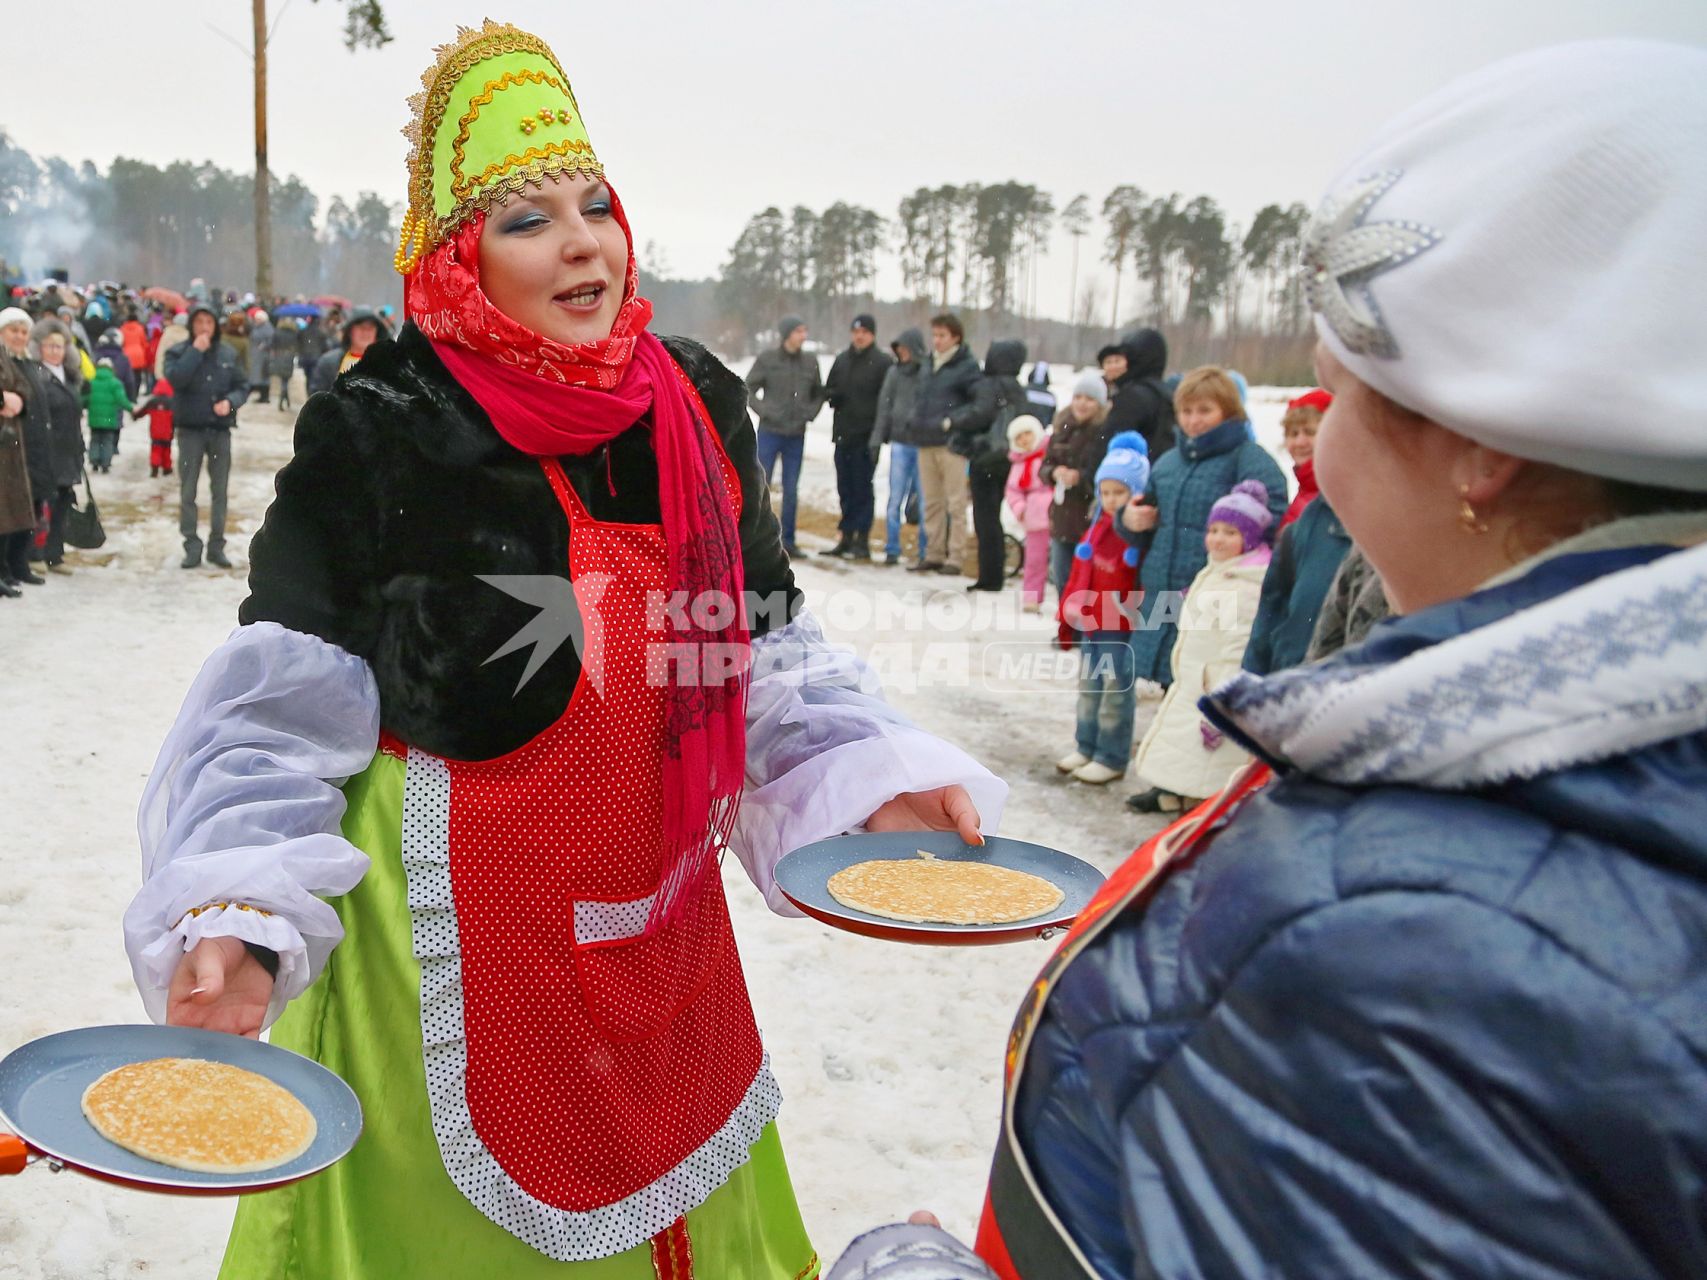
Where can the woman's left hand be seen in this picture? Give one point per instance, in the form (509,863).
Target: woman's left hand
(941,809)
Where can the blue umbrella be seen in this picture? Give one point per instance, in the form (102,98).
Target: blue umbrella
(303,310)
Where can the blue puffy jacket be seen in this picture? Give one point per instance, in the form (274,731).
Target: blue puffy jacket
(1388,1031)
(1185,483)
(1307,555)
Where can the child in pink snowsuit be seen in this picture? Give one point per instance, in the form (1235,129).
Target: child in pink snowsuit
(1029,496)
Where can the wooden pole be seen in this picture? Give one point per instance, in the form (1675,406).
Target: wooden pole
(263,204)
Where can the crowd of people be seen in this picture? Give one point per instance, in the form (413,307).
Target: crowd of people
(1411,987)
(1176,550)
(93,360)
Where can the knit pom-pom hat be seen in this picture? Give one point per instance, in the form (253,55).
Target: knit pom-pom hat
(1127,460)
(1246,509)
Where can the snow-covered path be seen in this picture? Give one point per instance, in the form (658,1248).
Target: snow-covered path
(888,1055)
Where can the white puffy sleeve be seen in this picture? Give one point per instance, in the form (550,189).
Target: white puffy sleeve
(825,751)
(240,820)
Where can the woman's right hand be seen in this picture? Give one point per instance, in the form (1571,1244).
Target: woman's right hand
(219,986)
(1067,476)
(11,404)
(1138,517)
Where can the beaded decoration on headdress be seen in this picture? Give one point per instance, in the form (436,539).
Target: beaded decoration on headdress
(495,113)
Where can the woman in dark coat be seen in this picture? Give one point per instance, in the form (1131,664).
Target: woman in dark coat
(1078,439)
(17,510)
(59,374)
(37,433)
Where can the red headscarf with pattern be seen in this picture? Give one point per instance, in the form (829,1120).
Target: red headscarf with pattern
(550,399)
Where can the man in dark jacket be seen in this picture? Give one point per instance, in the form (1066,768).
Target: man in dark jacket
(786,391)
(953,405)
(852,389)
(1133,369)
(208,387)
(359,334)
(988,470)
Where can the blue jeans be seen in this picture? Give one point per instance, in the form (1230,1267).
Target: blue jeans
(790,449)
(1108,697)
(103,444)
(903,482)
(1060,564)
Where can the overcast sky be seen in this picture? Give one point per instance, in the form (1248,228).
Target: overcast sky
(706,113)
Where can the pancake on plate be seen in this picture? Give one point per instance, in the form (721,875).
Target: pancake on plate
(931,890)
(207,1117)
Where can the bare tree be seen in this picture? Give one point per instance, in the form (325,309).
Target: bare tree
(1205,257)
(1156,225)
(1121,211)
(364,24)
(1076,218)
(913,240)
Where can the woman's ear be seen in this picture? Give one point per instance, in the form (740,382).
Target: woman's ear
(1481,474)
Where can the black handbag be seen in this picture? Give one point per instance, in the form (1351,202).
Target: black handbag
(83,523)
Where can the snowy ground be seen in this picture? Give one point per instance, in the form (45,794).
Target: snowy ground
(888,1055)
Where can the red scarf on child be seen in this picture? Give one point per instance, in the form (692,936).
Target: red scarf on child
(1030,462)
(548,399)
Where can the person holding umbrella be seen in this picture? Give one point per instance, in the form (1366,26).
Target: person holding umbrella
(529,975)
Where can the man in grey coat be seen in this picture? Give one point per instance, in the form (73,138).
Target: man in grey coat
(894,412)
(786,391)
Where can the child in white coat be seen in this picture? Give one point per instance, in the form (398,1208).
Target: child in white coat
(1182,755)
(1029,497)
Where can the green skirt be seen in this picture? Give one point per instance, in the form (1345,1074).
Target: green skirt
(388,1210)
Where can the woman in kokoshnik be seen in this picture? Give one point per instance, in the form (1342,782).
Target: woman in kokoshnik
(535,992)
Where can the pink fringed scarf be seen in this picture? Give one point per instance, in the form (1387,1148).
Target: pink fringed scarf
(548,400)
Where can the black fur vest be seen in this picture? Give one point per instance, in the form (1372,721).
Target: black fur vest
(401,493)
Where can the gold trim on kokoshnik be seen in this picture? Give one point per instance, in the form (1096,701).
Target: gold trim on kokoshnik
(208,1117)
(931,890)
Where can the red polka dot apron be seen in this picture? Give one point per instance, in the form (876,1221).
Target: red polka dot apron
(589,1085)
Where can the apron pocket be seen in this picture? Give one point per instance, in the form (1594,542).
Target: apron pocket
(634,987)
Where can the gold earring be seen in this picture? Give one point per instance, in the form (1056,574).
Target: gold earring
(1467,514)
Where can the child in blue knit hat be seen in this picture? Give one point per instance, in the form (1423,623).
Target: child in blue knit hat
(1098,610)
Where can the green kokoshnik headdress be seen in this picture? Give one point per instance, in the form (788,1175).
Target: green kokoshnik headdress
(495,113)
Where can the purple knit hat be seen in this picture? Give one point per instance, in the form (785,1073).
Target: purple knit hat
(1246,509)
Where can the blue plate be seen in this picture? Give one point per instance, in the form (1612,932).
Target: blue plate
(41,1097)
(803,875)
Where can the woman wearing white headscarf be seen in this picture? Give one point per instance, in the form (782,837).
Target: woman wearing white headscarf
(1420,994)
